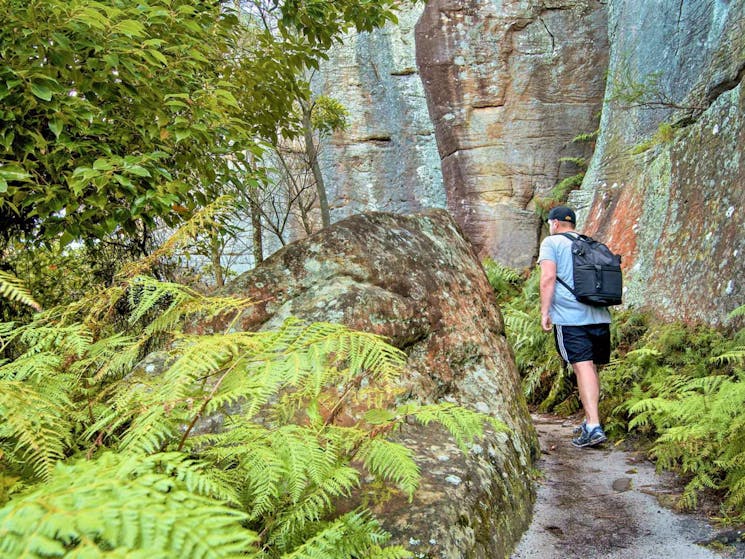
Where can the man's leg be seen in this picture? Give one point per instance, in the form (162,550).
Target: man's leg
(589,389)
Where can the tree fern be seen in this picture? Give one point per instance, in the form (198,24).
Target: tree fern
(35,428)
(463,425)
(505,281)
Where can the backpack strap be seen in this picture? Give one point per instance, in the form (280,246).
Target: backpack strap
(561,281)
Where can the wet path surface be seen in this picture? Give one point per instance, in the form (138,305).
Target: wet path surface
(605,504)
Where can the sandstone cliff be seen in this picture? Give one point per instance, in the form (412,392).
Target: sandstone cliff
(666,186)
(386,159)
(415,280)
(509,85)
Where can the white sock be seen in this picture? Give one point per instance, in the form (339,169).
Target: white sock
(591,426)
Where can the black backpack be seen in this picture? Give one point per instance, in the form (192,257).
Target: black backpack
(597,272)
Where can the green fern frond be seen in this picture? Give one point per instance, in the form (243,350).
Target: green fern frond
(736,355)
(463,425)
(150,431)
(35,424)
(354,534)
(73,340)
(35,367)
(145,293)
(203,220)
(193,474)
(578,161)
(104,505)
(586,137)
(739,311)
(392,461)
(12,289)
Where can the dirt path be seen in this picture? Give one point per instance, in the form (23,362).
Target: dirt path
(605,504)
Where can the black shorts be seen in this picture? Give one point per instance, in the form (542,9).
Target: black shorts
(590,342)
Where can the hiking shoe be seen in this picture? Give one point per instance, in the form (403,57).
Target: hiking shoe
(589,438)
(577,431)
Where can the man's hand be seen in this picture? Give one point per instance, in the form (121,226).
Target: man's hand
(546,322)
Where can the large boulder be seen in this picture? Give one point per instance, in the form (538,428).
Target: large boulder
(665,186)
(415,280)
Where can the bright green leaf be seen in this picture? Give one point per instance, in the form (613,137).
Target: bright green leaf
(138,170)
(379,416)
(158,56)
(56,125)
(103,164)
(130,28)
(13,173)
(41,91)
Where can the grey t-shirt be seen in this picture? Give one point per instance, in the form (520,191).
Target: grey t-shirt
(565,310)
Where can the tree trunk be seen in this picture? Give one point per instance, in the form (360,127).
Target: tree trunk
(215,257)
(258,245)
(312,153)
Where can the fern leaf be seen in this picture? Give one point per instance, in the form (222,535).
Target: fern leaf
(392,461)
(351,535)
(103,504)
(463,425)
(739,311)
(13,289)
(36,422)
(735,355)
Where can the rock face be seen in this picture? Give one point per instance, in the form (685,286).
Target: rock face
(509,85)
(387,158)
(417,281)
(666,184)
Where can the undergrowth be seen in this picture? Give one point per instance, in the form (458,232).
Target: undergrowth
(674,389)
(137,422)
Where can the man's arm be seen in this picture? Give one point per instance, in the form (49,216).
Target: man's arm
(548,284)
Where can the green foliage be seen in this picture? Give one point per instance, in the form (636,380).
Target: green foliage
(560,192)
(12,288)
(121,448)
(680,388)
(677,389)
(113,113)
(684,389)
(118,116)
(328,115)
(665,133)
(126,505)
(322,22)
(587,136)
(505,281)
(630,89)
(546,381)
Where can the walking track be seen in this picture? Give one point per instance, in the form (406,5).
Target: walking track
(605,503)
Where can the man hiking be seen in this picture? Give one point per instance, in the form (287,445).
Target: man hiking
(581,332)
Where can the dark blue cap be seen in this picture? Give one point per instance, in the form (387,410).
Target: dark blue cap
(563,213)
